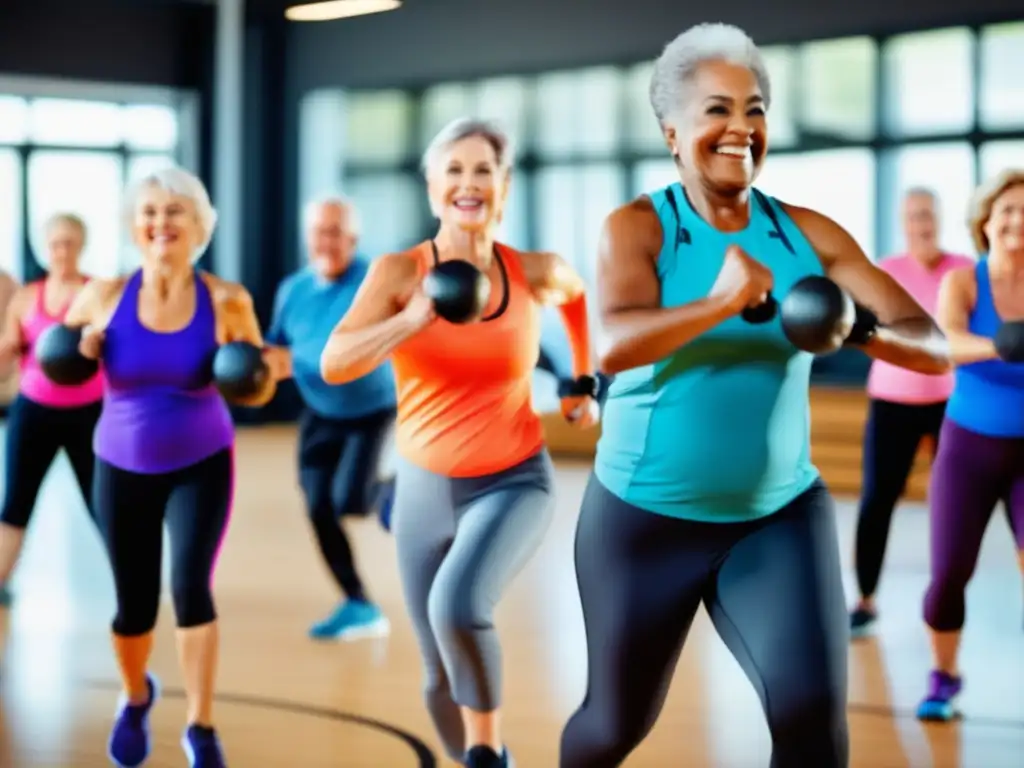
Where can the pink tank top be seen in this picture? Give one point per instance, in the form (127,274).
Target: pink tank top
(898,385)
(33,383)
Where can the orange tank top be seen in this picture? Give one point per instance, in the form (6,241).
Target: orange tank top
(465,392)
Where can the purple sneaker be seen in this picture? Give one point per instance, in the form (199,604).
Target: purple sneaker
(202,748)
(939,704)
(129,739)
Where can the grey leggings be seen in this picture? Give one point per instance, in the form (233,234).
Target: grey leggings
(774,591)
(460,542)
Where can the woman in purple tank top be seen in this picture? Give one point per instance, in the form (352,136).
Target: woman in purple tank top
(164,447)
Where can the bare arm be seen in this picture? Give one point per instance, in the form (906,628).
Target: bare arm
(12,341)
(957,295)
(94,304)
(236,316)
(556,283)
(907,336)
(635,329)
(237,321)
(387,310)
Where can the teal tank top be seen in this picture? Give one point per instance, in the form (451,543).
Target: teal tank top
(719,431)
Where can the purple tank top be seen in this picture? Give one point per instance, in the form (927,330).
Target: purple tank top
(161,411)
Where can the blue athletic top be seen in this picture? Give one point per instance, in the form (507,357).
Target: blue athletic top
(988,397)
(719,431)
(306,309)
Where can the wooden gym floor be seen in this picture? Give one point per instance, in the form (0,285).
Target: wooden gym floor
(286,702)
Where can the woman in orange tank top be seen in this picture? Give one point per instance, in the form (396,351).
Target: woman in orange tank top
(474,484)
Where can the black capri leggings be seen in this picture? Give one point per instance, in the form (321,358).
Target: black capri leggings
(773,589)
(132,507)
(892,435)
(35,433)
(338,472)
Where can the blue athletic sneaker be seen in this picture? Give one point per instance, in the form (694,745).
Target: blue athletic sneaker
(129,739)
(202,747)
(940,703)
(352,620)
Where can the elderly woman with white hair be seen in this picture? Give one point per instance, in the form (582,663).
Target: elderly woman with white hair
(164,448)
(474,480)
(703,489)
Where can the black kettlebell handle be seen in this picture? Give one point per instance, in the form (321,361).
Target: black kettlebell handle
(584,386)
(762,313)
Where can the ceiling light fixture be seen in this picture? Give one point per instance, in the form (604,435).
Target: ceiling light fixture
(328,10)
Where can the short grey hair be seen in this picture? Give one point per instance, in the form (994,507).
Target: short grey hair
(180,182)
(921,192)
(355,224)
(464,128)
(675,68)
(70,219)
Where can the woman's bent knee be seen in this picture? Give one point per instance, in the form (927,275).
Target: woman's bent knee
(944,606)
(194,607)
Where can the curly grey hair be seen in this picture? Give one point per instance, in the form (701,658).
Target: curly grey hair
(675,68)
(180,182)
(463,128)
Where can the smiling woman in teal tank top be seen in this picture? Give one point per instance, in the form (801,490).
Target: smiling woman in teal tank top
(703,488)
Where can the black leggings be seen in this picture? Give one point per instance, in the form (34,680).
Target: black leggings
(773,589)
(892,435)
(132,507)
(35,433)
(338,473)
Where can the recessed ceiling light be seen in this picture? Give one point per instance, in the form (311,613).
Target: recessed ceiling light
(339,9)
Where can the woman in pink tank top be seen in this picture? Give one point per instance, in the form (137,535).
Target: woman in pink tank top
(903,407)
(44,416)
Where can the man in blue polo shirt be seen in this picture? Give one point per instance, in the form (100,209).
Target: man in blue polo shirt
(342,429)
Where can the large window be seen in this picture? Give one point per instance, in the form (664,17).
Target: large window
(579,112)
(998,156)
(854,122)
(838,94)
(838,183)
(14,120)
(573,201)
(1001,97)
(88,184)
(76,154)
(515,228)
(783,65)
(379,127)
(650,175)
(389,209)
(10,213)
(930,88)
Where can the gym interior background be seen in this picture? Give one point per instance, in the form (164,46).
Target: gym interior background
(871,97)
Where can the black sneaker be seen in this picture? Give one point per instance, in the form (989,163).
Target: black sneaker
(861,620)
(482,756)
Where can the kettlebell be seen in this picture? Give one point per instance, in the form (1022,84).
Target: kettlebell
(458,289)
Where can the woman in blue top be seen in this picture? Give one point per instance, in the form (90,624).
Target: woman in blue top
(703,487)
(980,460)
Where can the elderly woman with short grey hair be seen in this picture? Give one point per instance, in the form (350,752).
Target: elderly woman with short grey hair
(164,448)
(474,485)
(703,489)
